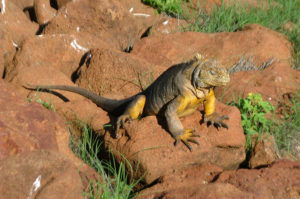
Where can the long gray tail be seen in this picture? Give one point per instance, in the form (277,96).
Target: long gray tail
(109,105)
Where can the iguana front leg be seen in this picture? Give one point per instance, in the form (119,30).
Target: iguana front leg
(175,127)
(210,114)
(133,111)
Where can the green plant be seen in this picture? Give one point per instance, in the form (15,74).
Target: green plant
(253,114)
(172,7)
(47,105)
(114,182)
(287,130)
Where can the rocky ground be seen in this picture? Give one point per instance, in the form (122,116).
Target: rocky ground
(116,48)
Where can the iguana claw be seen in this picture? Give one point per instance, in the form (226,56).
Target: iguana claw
(216,120)
(122,119)
(187,137)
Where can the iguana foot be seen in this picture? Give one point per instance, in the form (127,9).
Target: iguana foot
(122,119)
(216,120)
(187,137)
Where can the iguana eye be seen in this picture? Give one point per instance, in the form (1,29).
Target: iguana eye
(212,72)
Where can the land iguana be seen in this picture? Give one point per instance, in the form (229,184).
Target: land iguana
(175,93)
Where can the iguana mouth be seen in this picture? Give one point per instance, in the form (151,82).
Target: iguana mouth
(224,81)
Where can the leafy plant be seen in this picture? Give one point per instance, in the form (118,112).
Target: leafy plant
(253,114)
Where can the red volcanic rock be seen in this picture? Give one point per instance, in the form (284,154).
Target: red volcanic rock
(119,23)
(227,47)
(43,11)
(39,174)
(151,148)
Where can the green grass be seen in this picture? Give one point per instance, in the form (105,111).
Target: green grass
(115,181)
(231,18)
(171,7)
(287,130)
(47,105)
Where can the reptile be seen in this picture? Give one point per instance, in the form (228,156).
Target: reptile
(177,92)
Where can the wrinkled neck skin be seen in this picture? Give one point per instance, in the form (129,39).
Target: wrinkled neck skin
(196,79)
(197,86)
(201,91)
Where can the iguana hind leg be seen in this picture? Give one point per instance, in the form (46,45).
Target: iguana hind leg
(133,111)
(175,127)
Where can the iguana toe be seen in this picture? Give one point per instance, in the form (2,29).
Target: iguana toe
(122,119)
(187,137)
(216,120)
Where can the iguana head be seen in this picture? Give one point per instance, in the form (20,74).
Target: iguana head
(209,73)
